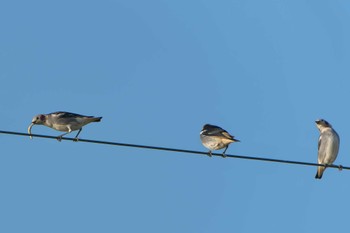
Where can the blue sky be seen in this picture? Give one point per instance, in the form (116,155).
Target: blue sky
(157,71)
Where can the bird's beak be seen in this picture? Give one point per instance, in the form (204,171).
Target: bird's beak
(30,130)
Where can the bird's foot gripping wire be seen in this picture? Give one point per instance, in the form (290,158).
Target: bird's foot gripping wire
(209,154)
(340,167)
(223,153)
(59,138)
(76,139)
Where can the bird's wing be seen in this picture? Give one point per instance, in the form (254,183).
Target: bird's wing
(319,141)
(214,131)
(64,115)
(322,144)
(65,118)
(328,145)
(219,132)
(227,135)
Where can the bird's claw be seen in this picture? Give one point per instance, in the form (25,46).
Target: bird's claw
(209,154)
(340,167)
(75,139)
(223,155)
(59,138)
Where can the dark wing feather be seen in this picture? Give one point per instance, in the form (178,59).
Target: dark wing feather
(212,130)
(66,115)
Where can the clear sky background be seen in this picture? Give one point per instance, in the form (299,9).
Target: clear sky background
(157,71)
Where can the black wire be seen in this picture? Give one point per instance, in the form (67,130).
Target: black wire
(179,150)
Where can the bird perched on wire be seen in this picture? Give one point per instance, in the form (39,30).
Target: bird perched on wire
(215,138)
(328,146)
(63,121)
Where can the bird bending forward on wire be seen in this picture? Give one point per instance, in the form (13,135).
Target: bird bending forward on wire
(215,138)
(63,121)
(328,146)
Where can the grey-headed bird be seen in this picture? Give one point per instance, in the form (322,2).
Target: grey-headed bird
(328,146)
(63,121)
(215,138)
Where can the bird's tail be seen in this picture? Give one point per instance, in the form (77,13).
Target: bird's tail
(319,173)
(95,119)
(236,140)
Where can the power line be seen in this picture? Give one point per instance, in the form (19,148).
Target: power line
(340,167)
